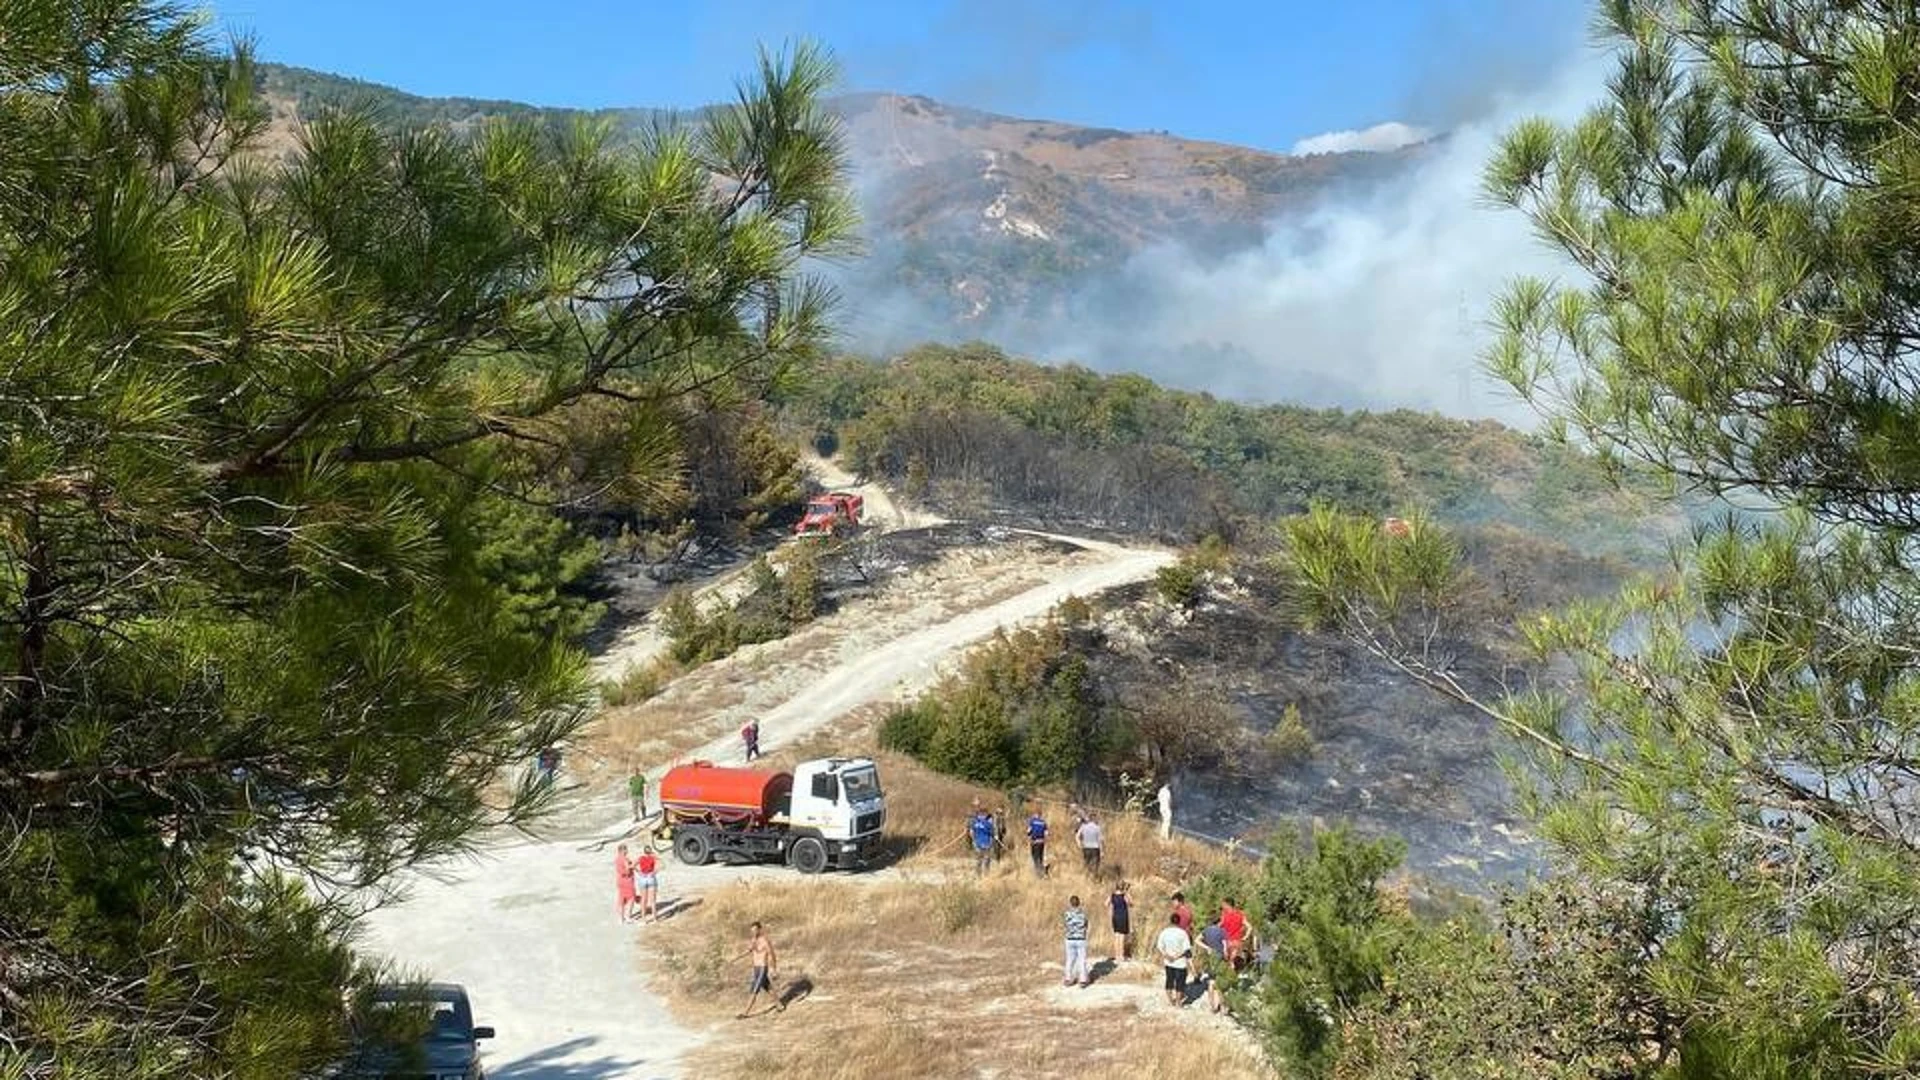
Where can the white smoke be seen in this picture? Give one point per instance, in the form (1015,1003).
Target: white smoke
(1391,135)
(1377,297)
(1379,301)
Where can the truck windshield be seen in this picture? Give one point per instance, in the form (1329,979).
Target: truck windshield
(860,784)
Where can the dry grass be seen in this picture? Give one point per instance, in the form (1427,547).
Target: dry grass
(924,969)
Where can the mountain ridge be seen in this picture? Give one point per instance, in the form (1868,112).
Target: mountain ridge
(979,223)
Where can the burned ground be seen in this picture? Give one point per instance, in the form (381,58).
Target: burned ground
(851,567)
(1387,755)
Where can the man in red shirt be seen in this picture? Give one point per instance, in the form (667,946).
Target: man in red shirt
(1233,923)
(1182,914)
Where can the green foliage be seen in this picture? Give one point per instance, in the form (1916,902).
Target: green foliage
(1027,706)
(1332,936)
(1290,740)
(639,682)
(975,739)
(801,591)
(1181,583)
(1074,611)
(1557,988)
(1022,708)
(280,574)
(1727,785)
(314,93)
(535,565)
(1317,901)
(1064,440)
(776,602)
(910,728)
(1056,741)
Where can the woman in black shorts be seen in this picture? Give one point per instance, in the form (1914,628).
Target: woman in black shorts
(1122,922)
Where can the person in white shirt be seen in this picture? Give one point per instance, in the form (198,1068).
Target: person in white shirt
(1175,947)
(1088,834)
(1166,811)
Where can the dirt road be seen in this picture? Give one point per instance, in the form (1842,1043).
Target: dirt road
(529,926)
(641,643)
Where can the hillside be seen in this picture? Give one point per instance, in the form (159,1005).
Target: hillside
(973,432)
(974,220)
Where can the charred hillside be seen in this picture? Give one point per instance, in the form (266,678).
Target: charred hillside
(1207,676)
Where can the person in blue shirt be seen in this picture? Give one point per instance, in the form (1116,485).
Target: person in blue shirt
(980,831)
(1037,843)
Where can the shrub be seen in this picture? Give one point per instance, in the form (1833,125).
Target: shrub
(1054,746)
(975,739)
(1212,555)
(1179,583)
(800,586)
(1074,611)
(1290,740)
(1318,900)
(1056,741)
(958,905)
(639,682)
(909,729)
(772,606)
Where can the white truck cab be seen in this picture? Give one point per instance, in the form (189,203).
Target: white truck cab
(840,800)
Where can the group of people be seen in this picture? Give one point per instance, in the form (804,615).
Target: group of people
(636,884)
(987,834)
(1188,956)
(1221,947)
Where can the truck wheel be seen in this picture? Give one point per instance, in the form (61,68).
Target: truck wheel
(692,848)
(809,855)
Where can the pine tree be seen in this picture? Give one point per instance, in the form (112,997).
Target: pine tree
(265,632)
(1739,758)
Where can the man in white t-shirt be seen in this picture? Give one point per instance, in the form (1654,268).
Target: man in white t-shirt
(1175,947)
(1088,835)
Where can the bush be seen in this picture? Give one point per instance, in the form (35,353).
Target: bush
(1316,900)
(1180,583)
(959,906)
(1290,741)
(639,682)
(800,586)
(909,729)
(1054,746)
(775,603)
(975,740)
(1057,742)
(1074,611)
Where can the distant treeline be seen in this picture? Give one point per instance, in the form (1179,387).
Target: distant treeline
(970,429)
(312,91)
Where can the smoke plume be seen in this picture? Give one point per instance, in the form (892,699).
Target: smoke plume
(1391,135)
(1377,298)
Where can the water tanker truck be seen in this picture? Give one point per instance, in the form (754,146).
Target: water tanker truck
(824,813)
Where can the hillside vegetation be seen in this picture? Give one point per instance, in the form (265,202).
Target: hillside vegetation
(971,430)
(310,93)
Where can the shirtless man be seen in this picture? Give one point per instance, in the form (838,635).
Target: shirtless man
(765,965)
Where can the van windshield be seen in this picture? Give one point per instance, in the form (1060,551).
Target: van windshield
(860,784)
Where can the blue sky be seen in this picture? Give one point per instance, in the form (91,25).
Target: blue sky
(1243,71)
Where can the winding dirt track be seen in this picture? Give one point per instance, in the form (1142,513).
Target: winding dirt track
(529,925)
